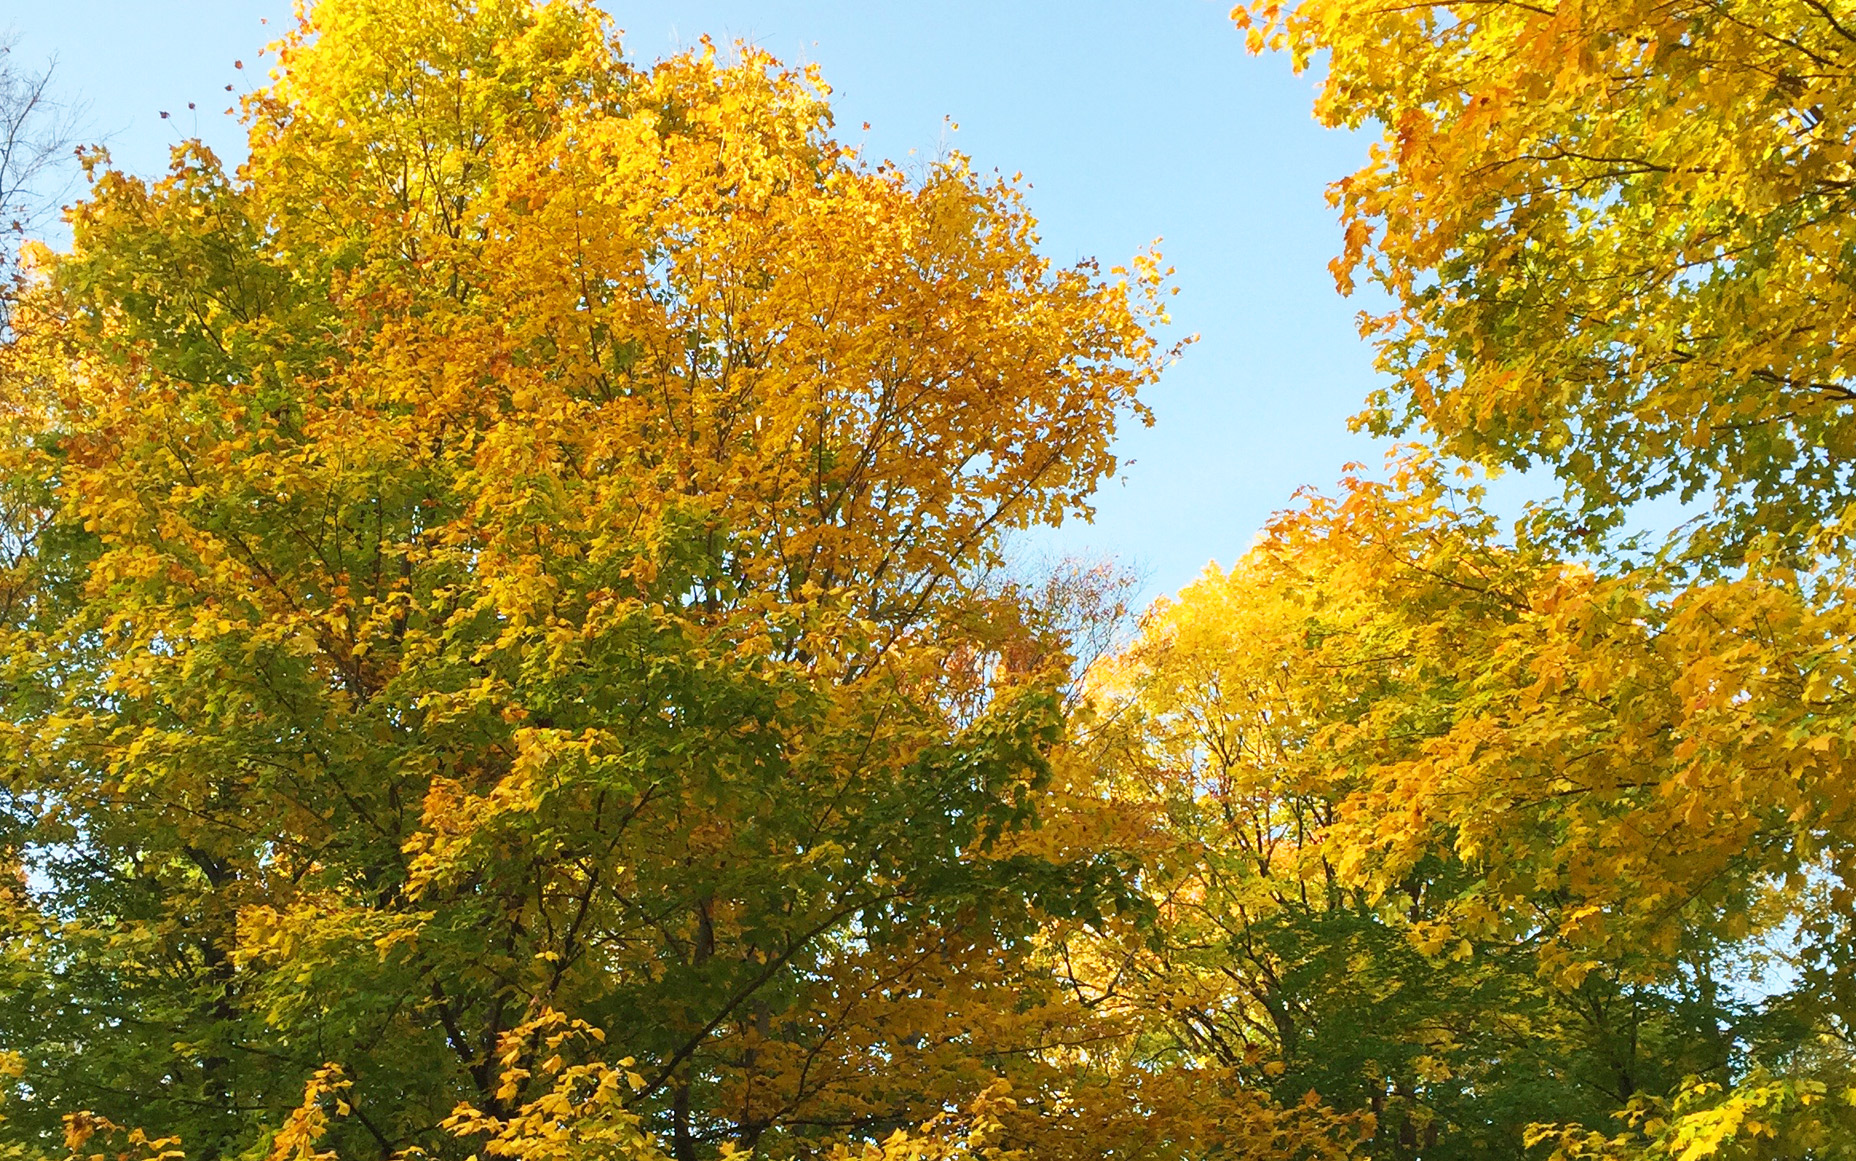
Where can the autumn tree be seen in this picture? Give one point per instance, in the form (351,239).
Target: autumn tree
(1477,840)
(1614,238)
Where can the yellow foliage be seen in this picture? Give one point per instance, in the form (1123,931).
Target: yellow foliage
(1384,717)
(1617,237)
(1611,740)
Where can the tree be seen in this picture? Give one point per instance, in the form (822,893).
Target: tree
(499,575)
(1617,239)
(1296,718)
(1479,839)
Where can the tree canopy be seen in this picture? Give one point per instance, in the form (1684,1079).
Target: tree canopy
(510,645)
(500,566)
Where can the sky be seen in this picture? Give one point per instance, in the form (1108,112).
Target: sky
(1134,120)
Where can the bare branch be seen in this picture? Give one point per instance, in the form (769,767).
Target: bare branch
(37,133)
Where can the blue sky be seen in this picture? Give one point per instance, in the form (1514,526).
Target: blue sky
(1133,120)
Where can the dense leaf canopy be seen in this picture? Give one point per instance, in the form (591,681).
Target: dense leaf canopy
(508,646)
(502,565)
